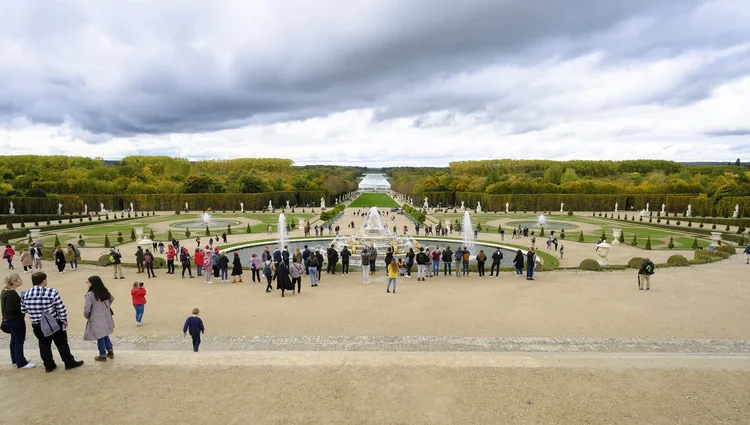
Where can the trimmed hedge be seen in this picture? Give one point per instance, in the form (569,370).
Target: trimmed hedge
(589,264)
(678,261)
(329,214)
(415,213)
(635,262)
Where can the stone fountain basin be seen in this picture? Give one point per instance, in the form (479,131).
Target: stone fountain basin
(199,224)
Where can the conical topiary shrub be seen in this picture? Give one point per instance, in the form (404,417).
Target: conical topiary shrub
(562,234)
(57,241)
(541,233)
(132,234)
(727,229)
(580,237)
(208,232)
(695,243)
(648,243)
(247,230)
(106,241)
(151,234)
(169,235)
(604,236)
(622,237)
(187,232)
(635,240)
(670,245)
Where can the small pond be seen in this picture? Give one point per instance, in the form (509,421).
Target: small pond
(533,225)
(199,224)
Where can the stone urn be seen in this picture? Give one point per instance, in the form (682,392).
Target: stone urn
(616,234)
(715,238)
(602,250)
(138,233)
(34,233)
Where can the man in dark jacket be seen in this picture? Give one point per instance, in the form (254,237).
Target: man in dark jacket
(373,258)
(530,263)
(285,256)
(277,256)
(497,257)
(447,261)
(333,258)
(139,259)
(319,257)
(644,274)
(305,257)
(345,254)
(421,264)
(388,259)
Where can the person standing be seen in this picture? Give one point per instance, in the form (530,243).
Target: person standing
(644,274)
(465,260)
(282,279)
(73,256)
(36,256)
(392,276)
(421,265)
(365,263)
(224,266)
(138,295)
(345,254)
(447,261)
(13,317)
(236,268)
(185,261)
(518,263)
(319,257)
(198,258)
(312,268)
(388,258)
(562,247)
(139,259)
(305,257)
(459,257)
(255,266)
(59,259)
(170,259)
(208,264)
(8,255)
(497,258)
(148,262)
(435,254)
(481,259)
(26,261)
(98,310)
(333,258)
(297,270)
(409,262)
(747,254)
(530,263)
(42,302)
(373,258)
(268,271)
(194,324)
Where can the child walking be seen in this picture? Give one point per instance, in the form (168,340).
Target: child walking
(194,324)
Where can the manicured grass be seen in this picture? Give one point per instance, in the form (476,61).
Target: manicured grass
(380,200)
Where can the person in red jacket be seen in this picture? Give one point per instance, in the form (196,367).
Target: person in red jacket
(138,293)
(8,255)
(170,259)
(198,260)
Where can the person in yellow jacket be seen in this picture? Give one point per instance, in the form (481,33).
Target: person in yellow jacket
(392,275)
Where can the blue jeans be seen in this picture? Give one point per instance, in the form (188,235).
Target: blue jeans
(393,281)
(313,275)
(139,308)
(465,264)
(435,267)
(104,345)
(529,271)
(447,268)
(10,263)
(17,338)
(199,269)
(74,264)
(519,271)
(224,274)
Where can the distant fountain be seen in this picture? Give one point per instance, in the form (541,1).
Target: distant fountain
(375,232)
(468,240)
(541,220)
(206,218)
(282,231)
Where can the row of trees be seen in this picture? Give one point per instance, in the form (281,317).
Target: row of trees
(39,176)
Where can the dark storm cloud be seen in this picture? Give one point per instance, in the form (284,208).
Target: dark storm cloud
(152,79)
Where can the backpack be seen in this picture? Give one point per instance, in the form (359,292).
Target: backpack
(267,270)
(111,258)
(78,253)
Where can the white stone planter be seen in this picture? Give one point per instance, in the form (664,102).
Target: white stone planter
(616,234)
(34,233)
(716,236)
(603,252)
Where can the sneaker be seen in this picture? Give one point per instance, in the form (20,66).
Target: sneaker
(28,366)
(79,363)
(640,289)
(51,369)
(110,354)
(388,291)
(100,359)
(122,277)
(648,289)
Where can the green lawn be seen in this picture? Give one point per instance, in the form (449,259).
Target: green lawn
(380,200)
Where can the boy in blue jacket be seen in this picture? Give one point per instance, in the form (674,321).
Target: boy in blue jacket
(194,324)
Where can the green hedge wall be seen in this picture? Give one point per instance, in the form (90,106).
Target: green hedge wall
(332,212)
(161,202)
(30,218)
(415,213)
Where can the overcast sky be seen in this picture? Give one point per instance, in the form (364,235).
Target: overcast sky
(379,82)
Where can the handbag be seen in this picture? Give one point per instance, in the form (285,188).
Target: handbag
(4,327)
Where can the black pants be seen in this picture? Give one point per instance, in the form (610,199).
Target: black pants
(480,266)
(216,271)
(495,267)
(255,272)
(170,266)
(186,266)
(269,287)
(408,268)
(196,341)
(150,269)
(60,338)
(17,339)
(447,267)
(345,267)
(139,265)
(372,265)
(298,281)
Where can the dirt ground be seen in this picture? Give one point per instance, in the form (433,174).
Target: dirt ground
(384,394)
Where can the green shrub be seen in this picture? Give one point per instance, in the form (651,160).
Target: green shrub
(169,236)
(589,264)
(701,225)
(160,263)
(208,232)
(690,223)
(151,234)
(541,233)
(106,242)
(658,220)
(713,226)
(562,234)
(622,237)
(247,229)
(132,233)
(618,216)
(670,245)
(604,236)
(229,229)
(678,261)
(635,240)
(678,222)
(81,242)
(103,260)
(727,229)
(635,262)
(695,243)
(580,238)
(570,212)
(594,213)
(57,241)
(605,215)
(727,249)
(187,232)
(742,241)
(120,239)
(648,244)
